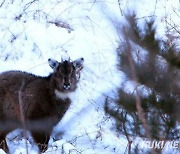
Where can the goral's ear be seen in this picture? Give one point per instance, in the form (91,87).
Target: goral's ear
(78,64)
(53,63)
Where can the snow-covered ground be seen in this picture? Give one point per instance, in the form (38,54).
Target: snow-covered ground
(31,31)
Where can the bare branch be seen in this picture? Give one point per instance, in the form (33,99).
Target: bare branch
(127,136)
(29,4)
(22,113)
(134,76)
(2,3)
(120,7)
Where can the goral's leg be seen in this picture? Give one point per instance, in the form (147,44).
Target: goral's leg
(41,139)
(3,143)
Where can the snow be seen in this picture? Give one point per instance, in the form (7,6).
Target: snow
(28,38)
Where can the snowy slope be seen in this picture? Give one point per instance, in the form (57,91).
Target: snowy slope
(33,31)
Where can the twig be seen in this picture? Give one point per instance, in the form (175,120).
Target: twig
(120,7)
(29,4)
(2,3)
(173,27)
(144,17)
(89,139)
(155,7)
(20,93)
(61,24)
(92,4)
(127,136)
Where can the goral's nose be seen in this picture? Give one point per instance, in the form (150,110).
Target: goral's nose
(66,86)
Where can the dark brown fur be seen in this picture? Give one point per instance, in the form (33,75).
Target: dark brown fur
(41,108)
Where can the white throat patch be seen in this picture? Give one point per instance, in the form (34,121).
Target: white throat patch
(63,96)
